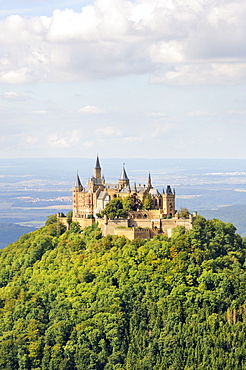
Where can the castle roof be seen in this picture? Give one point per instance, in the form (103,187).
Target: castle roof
(126,189)
(168,189)
(123,174)
(149,181)
(77,182)
(97,166)
(96,181)
(154,192)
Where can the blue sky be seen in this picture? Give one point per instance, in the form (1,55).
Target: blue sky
(143,78)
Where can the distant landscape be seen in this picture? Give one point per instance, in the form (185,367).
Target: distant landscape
(33,189)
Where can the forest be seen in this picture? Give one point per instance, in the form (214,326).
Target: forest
(74,300)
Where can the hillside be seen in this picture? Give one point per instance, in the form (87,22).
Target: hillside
(73,301)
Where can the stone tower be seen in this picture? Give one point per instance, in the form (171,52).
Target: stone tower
(169,201)
(123,181)
(97,169)
(77,189)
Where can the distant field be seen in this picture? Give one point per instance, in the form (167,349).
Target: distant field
(11,232)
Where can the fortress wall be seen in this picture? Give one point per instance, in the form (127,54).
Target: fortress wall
(132,233)
(84,222)
(155,226)
(109,226)
(169,224)
(156,213)
(140,222)
(142,234)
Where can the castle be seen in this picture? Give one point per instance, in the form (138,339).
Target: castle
(158,217)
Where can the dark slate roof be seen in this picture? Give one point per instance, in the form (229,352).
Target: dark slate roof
(77,182)
(168,189)
(96,181)
(97,166)
(125,189)
(123,174)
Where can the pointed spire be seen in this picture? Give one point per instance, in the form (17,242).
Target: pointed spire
(97,166)
(123,173)
(97,169)
(149,182)
(77,182)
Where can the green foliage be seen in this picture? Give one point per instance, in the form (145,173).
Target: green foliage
(74,227)
(131,203)
(184,212)
(114,209)
(51,220)
(80,301)
(147,202)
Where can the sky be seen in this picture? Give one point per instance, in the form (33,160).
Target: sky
(118,78)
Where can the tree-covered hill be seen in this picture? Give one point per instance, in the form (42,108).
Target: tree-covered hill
(72,300)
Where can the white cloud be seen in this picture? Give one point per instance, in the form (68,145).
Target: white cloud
(132,139)
(236,112)
(91,109)
(161,128)
(108,131)
(157,114)
(12,95)
(194,42)
(88,144)
(41,112)
(56,140)
(203,74)
(200,114)
(28,139)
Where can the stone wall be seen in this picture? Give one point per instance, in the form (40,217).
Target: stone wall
(134,228)
(108,226)
(83,222)
(132,233)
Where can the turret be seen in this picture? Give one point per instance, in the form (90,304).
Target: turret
(149,182)
(123,181)
(77,189)
(97,169)
(168,201)
(77,183)
(168,189)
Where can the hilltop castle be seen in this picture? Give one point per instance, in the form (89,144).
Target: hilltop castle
(159,217)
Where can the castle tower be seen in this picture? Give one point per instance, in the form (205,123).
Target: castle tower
(123,181)
(169,202)
(77,188)
(149,183)
(97,169)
